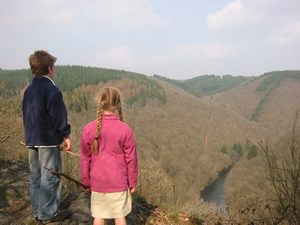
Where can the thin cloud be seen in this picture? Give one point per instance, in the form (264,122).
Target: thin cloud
(234,15)
(129,59)
(263,20)
(21,15)
(132,13)
(192,51)
(287,35)
(117,57)
(41,14)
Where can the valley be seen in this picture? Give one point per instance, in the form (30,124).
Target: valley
(184,141)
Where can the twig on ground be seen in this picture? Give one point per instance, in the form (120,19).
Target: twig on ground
(68,177)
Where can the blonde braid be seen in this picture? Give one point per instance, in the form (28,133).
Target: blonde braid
(110,98)
(121,114)
(98,130)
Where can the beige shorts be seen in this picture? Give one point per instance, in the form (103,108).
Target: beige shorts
(111,205)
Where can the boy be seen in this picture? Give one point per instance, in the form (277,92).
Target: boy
(46,127)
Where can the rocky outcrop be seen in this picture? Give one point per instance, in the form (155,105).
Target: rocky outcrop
(79,204)
(14,190)
(15,205)
(15,200)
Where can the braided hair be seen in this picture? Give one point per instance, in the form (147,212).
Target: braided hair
(109,100)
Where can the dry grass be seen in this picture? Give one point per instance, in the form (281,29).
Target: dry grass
(11,130)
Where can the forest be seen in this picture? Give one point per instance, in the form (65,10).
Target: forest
(184,140)
(71,79)
(206,84)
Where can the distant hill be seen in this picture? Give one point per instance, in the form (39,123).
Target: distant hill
(270,99)
(206,84)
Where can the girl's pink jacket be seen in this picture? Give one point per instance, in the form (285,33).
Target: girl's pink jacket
(115,168)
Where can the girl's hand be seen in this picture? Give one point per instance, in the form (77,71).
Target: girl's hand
(132,190)
(87,190)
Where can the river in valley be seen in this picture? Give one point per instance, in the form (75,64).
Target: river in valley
(214,192)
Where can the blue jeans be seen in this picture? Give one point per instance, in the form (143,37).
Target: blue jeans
(45,188)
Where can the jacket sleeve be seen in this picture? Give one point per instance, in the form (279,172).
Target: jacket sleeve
(85,158)
(131,158)
(59,116)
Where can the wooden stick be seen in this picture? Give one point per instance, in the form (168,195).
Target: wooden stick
(71,153)
(68,177)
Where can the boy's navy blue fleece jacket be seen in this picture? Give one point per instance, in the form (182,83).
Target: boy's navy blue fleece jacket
(44,114)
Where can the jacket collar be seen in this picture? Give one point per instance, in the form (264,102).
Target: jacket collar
(110,116)
(50,79)
(44,78)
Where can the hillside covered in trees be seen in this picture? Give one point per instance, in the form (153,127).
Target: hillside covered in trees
(206,84)
(183,141)
(72,81)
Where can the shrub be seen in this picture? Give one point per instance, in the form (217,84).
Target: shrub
(283,173)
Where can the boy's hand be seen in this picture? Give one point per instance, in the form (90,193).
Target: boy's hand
(66,146)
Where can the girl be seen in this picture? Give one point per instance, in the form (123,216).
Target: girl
(108,162)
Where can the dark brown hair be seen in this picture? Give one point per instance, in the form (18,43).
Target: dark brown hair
(109,100)
(40,62)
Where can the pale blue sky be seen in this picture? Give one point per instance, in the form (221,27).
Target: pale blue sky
(172,38)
